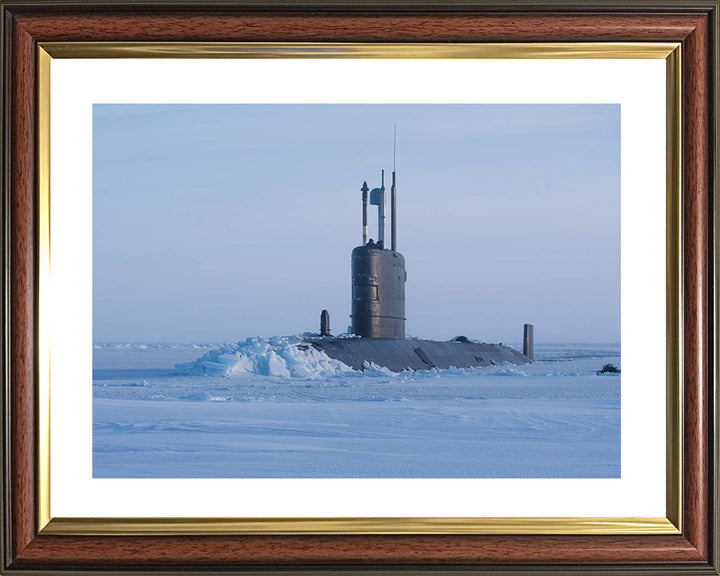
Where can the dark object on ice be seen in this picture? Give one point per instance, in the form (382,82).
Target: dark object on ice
(324,323)
(528,347)
(609,368)
(378,311)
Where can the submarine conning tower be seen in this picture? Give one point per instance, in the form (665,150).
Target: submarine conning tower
(378,274)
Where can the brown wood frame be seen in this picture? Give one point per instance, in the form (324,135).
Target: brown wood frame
(693,23)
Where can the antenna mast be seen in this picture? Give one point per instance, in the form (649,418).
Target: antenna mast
(393,201)
(394,144)
(381,211)
(364,190)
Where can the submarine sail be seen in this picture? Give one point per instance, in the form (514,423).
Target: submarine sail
(378,277)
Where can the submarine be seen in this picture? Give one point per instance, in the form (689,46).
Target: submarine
(378,311)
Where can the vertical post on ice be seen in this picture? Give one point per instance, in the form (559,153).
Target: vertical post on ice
(528,348)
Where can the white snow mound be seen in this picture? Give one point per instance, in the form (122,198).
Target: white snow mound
(284,356)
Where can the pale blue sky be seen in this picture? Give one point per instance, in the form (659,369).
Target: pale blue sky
(217,222)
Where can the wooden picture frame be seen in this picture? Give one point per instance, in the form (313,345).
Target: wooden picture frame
(30,547)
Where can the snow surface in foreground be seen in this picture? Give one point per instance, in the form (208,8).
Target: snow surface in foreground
(552,418)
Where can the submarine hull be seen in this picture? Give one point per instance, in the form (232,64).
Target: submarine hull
(398,355)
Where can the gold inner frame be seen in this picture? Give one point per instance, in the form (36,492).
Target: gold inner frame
(671,524)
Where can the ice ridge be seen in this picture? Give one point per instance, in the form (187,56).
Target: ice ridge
(283,356)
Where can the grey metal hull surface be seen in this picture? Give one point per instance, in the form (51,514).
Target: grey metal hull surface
(414,353)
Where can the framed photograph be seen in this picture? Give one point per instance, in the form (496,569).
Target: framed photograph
(350,287)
